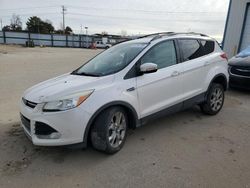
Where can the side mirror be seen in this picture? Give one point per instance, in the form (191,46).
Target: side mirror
(148,68)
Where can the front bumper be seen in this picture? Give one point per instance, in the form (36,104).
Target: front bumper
(239,82)
(68,125)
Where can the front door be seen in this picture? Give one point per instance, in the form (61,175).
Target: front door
(161,89)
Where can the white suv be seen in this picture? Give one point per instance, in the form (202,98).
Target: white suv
(100,44)
(124,87)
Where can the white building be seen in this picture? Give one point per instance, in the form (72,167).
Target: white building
(237,30)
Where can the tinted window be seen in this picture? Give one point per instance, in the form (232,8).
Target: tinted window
(191,49)
(208,46)
(163,55)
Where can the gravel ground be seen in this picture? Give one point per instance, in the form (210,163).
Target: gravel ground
(187,149)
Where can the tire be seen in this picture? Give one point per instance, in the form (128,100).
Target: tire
(109,130)
(214,99)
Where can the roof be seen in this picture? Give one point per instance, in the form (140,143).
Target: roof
(164,35)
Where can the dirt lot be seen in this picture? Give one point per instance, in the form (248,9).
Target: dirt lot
(187,149)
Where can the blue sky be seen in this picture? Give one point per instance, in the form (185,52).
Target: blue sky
(131,16)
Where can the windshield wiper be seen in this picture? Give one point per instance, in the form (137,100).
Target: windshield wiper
(86,74)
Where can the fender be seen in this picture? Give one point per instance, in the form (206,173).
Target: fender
(213,81)
(135,121)
(225,85)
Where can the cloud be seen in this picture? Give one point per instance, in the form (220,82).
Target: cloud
(134,16)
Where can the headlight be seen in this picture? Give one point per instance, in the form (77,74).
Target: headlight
(67,103)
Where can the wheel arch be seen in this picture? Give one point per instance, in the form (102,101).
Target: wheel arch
(220,79)
(131,112)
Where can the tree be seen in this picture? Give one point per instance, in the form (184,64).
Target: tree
(37,25)
(6,28)
(123,32)
(68,30)
(104,33)
(34,24)
(15,23)
(47,27)
(59,31)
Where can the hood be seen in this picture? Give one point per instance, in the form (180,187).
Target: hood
(240,61)
(64,85)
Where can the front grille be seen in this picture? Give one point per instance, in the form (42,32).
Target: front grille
(241,71)
(26,122)
(29,103)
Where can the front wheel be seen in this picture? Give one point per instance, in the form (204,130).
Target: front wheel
(214,100)
(110,130)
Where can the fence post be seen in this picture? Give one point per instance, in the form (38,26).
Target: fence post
(29,36)
(80,41)
(52,40)
(4,37)
(66,40)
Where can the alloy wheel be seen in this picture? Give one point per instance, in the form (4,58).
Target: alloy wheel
(216,99)
(117,129)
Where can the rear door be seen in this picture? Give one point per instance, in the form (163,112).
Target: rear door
(194,71)
(209,57)
(162,89)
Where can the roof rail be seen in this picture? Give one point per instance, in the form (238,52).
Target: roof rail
(159,35)
(201,34)
(152,34)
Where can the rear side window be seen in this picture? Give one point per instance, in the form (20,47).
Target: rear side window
(190,48)
(162,54)
(208,46)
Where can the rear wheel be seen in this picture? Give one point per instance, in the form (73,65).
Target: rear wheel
(214,100)
(110,130)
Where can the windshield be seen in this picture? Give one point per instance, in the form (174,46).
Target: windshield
(111,60)
(244,53)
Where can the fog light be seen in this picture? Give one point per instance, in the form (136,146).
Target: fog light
(54,135)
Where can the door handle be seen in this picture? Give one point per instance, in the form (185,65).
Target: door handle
(175,73)
(131,89)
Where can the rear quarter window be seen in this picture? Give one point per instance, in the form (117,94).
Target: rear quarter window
(191,49)
(208,46)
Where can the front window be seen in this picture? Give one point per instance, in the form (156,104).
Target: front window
(111,60)
(163,55)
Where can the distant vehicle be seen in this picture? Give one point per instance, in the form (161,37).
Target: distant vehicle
(100,44)
(125,86)
(239,70)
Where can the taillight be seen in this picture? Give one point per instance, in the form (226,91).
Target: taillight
(224,56)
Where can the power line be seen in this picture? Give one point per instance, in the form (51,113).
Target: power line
(30,14)
(119,17)
(147,11)
(127,18)
(25,8)
(118,9)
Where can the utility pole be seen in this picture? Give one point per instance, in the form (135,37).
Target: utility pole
(86,30)
(63,13)
(87,36)
(1,24)
(38,30)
